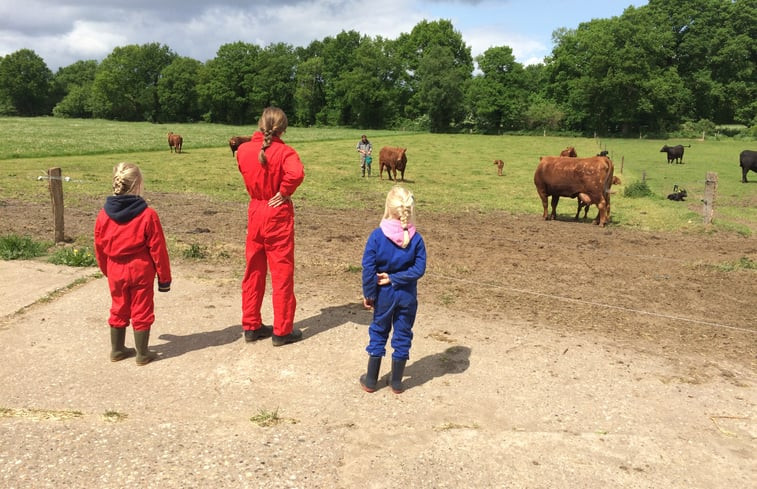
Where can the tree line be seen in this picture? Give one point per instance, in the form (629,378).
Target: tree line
(649,70)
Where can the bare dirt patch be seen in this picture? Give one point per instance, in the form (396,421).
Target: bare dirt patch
(546,354)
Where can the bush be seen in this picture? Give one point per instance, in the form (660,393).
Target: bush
(637,189)
(14,247)
(74,257)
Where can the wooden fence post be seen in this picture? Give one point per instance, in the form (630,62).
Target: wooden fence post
(710,187)
(55,182)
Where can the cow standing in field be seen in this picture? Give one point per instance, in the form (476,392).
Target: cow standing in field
(393,159)
(236,141)
(500,165)
(675,153)
(588,179)
(174,142)
(748,161)
(569,151)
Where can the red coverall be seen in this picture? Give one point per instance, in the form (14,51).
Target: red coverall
(130,254)
(270,231)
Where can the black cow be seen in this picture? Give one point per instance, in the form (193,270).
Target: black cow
(748,161)
(675,153)
(603,153)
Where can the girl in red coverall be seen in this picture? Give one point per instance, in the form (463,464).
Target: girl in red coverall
(272,171)
(131,249)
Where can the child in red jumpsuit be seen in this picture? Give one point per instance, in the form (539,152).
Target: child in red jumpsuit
(272,171)
(393,261)
(131,249)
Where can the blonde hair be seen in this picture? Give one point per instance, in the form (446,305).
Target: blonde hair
(273,122)
(400,205)
(127,179)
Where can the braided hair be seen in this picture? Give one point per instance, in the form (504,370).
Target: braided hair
(127,179)
(272,123)
(400,205)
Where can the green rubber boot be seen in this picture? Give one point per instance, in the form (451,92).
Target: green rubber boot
(144,355)
(118,350)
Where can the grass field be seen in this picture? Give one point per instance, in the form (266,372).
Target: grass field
(449,173)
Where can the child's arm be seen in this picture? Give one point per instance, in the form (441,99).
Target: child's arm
(156,242)
(370,284)
(418,268)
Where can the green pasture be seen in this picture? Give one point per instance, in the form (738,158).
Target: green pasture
(449,173)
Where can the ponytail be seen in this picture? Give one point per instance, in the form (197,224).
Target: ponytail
(272,123)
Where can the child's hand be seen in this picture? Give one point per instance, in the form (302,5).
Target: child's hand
(277,200)
(383,278)
(368,303)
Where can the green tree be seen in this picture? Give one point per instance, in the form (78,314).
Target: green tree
(177,91)
(309,96)
(74,83)
(227,83)
(498,97)
(436,66)
(126,83)
(25,83)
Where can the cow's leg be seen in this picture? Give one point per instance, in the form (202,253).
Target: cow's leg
(555,200)
(601,219)
(744,171)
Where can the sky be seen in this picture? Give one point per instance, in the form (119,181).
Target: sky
(62,32)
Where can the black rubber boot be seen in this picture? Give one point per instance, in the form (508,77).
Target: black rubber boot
(144,355)
(295,335)
(118,351)
(398,369)
(369,379)
(262,332)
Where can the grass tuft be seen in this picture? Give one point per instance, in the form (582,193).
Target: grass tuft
(14,247)
(74,257)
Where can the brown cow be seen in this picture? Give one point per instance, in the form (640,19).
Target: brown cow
(174,142)
(236,141)
(588,179)
(569,151)
(587,204)
(393,159)
(500,165)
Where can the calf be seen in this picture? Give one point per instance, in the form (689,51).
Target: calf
(748,161)
(678,194)
(500,165)
(174,142)
(393,159)
(236,141)
(569,151)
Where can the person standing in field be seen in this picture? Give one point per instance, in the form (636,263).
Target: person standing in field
(130,249)
(272,171)
(393,261)
(364,148)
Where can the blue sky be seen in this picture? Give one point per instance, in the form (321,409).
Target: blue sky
(64,31)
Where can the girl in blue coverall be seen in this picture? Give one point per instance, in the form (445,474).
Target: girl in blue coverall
(393,261)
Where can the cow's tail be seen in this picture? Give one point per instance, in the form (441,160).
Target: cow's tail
(609,176)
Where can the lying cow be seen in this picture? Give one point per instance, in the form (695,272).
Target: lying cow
(675,153)
(393,159)
(678,194)
(236,141)
(174,142)
(748,161)
(569,151)
(588,179)
(500,165)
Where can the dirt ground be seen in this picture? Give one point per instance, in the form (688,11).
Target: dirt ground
(546,354)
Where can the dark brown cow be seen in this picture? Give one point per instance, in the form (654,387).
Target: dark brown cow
(500,165)
(588,179)
(393,159)
(569,151)
(174,142)
(236,141)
